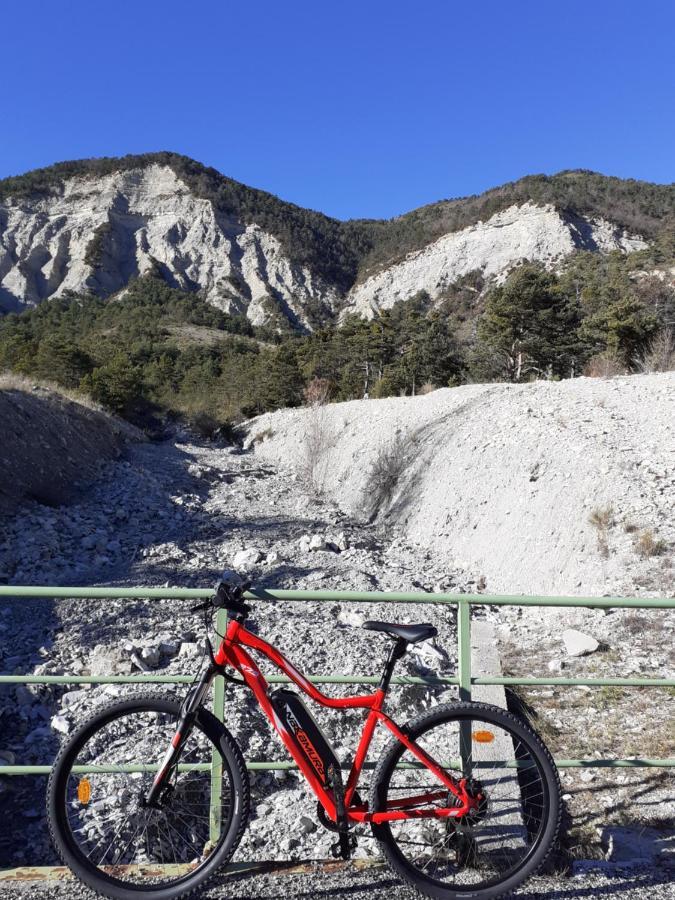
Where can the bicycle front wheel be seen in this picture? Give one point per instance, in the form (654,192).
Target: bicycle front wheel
(96,801)
(504,839)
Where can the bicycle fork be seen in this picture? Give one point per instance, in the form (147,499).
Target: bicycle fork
(189,710)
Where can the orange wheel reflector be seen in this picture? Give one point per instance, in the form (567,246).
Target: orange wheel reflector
(84,791)
(483,737)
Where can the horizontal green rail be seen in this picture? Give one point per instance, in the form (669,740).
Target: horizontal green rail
(187,679)
(148,593)
(278,766)
(464,679)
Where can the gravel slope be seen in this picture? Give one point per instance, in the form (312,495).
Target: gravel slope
(500,480)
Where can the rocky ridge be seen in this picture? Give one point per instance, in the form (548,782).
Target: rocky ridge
(96,234)
(93,229)
(527,232)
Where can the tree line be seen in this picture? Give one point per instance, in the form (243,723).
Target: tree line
(157,352)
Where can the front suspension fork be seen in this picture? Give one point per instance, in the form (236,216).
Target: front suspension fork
(189,710)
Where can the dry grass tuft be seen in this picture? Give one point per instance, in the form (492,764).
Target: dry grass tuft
(647,544)
(602,519)
(10,381)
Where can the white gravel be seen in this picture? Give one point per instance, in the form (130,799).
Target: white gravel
(379,884)
(501,480)
(176,513)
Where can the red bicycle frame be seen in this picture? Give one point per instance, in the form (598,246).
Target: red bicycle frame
(232,652)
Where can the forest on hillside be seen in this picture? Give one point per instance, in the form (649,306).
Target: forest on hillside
(155,353)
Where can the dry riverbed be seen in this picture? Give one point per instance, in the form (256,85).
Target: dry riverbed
(177,513)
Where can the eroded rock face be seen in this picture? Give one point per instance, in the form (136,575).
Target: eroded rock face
(535,233)
(95,234)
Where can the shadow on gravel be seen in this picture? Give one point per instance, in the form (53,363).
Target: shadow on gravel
(629,884)
(381,884)
(26,738)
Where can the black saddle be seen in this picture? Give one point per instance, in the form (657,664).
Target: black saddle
(411,634)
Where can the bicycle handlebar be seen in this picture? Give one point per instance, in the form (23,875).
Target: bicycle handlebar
(227,596)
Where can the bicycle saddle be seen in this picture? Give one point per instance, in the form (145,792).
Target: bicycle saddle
(411,634)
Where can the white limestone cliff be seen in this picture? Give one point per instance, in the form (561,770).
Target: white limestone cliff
(96,233)
(138,220)
(518,233)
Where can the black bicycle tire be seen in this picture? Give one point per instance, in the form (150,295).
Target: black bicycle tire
(60,833)
(395,749)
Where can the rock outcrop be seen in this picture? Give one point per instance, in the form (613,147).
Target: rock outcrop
(95,234)
(527,232)
(93,230)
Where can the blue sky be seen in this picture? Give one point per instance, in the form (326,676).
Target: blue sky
(366,108)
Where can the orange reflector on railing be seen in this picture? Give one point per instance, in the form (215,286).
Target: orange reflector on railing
(483,737)
(84,791)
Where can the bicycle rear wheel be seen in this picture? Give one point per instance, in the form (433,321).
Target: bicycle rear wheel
(107,835)
(494,848)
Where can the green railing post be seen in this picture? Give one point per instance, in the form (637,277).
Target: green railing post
(464,672)
(216,759)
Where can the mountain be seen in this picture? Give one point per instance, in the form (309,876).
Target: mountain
(91,226)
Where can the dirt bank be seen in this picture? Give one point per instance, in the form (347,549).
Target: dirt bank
(51,445)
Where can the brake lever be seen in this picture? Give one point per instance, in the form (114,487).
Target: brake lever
(200,606)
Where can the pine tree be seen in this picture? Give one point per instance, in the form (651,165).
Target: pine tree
(529,329)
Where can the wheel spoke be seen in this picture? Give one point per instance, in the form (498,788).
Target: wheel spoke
(112,828)
(494,840)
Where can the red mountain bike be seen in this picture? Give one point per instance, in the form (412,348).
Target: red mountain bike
(464,801)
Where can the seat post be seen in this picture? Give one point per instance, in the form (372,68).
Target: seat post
(396,652)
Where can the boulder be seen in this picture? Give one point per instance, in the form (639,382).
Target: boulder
(108,661)
(61,724)
(350,618)
(246,559)
(579,644)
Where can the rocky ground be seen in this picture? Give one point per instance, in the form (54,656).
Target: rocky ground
(378,884)
(177,513)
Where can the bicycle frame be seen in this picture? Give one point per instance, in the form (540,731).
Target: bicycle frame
(232,651)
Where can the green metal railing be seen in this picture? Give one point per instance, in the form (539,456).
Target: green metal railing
(464,679)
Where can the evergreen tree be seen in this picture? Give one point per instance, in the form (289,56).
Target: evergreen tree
(623,329)
(529,329)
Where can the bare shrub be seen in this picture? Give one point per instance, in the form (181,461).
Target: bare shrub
(605,365)
(647,544)
(390,463)
(318,441)
(660,355)
(317,392)
(602,519)
(427,388)
(263,435)
(205,424)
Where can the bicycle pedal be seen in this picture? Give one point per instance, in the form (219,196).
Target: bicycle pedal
(343,848)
